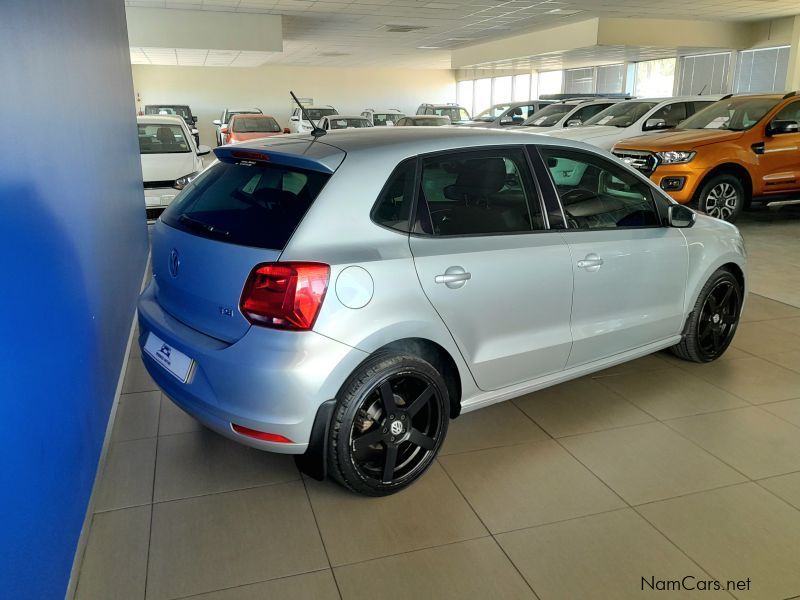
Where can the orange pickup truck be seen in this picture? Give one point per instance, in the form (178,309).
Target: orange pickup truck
(738,149)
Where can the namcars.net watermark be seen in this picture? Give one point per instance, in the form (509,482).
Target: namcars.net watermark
(690,583)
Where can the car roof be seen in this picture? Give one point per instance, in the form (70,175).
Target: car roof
(360,117)
(241,110)
(163,119)
(252,116)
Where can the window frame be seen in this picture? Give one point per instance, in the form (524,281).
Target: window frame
(660,203)
(412,211)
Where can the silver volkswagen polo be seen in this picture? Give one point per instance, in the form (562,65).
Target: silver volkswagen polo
(342,298)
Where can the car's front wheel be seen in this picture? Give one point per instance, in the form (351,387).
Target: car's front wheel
(389,422)
(712,324)
(722,196)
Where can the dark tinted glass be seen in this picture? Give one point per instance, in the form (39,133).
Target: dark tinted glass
(790,112)
(254,124)
(246,204)
(485,192)
(598,194)
(672,114)
(393,207)
(587,112)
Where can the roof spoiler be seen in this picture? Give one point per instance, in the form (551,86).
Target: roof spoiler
(789,95)
(233,154)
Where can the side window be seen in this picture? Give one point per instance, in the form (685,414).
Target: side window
(479,192)
(463,115)
(790,112)
(598,194)
(671,114)
(393,207)
(587,112)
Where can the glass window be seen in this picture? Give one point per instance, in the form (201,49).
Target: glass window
(549,115)
(737,114)
(393,207)
(483,94)
(490,114)
(790,112)
(247,203)
(671,114)
(335,123)
(598,194)
(622,114)
(522,87)
(655,78)
(579,81)
(550,82)
(381,119)
(704,74)
(473,193)
(315,114)
(464,91)
(585,113)
(609,79)
(501,89)
(762,70)
(245,124)
(162,138)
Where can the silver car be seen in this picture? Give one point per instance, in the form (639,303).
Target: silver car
(341,298)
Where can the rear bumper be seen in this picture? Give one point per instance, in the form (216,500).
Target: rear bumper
(271,381)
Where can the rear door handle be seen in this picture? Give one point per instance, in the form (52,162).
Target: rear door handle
(592,262)
(454,277)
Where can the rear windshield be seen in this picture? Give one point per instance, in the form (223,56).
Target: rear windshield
(255,125)
(248,204)
(162,138)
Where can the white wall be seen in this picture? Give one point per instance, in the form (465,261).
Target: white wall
(210,89)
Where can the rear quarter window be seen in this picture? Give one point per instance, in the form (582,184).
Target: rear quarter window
(246,203)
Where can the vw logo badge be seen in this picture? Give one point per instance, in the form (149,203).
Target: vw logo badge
(174,263)
(396,428)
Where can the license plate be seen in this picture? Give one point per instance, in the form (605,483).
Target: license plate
(177,363)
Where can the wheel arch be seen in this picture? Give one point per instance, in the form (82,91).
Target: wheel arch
(728,168)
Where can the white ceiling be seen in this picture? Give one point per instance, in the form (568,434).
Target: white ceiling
(354,33)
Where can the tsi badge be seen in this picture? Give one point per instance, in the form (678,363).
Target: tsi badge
(174,262)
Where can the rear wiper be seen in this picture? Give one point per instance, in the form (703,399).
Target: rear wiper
(205,227)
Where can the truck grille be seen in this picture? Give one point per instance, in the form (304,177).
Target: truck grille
(646,162)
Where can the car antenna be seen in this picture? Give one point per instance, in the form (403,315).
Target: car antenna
(700,93)
(316,130)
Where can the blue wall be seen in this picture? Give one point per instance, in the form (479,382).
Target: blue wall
(73,245)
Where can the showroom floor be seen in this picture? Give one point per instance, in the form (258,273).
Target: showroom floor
(657,468)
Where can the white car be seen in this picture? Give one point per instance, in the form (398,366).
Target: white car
(299,124)
(565,113)
(331,122)
(632,118)
(170,159)
(380,118)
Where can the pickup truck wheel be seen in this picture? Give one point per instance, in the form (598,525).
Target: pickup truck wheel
(389,422)
(722,197)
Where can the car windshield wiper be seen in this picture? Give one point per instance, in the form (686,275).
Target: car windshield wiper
(198,225)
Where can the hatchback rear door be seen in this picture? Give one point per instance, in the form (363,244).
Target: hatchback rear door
(498,277)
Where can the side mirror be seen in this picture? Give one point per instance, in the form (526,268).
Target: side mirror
(781,126)
(194,119)
(679,215)
(202,150)
(217,122)
(574,123)
(286,130)
(294,118)
(194,131)
(652,124)
(223,129)
(506,121)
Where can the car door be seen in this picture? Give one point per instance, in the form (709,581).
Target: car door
(780,161)
(629,269)
(500,279)
(666,117)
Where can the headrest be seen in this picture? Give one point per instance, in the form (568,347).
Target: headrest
(477,177)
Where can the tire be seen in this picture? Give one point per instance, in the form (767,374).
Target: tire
(371,428)
(713,321)
(722,196)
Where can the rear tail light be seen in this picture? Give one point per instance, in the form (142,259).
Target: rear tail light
(285,295)
(261,435)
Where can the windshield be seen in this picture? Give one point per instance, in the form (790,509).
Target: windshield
(158,109)
(490,114)
(454,112)
(315,114)
(623,114)
(429,121)
(162,138)
(735,114)
(256,125)
(549,115)
(348,123)
(379,119)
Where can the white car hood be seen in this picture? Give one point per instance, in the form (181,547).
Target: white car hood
(166,167)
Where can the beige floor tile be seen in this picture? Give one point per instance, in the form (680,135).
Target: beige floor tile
(651,362)
(789,360)
(474,569)
(788,410)
(431,512)
(203,462)
(786,487)
(115,562)
(501,424)
(671,393)
(601,556)
(137,416)
(526,485)
(175,420)
(649,462)
(764,337)
(225,540)
(318,585)
(127,479)
(736,532)
(749,439)
(579,406)
(788,325)
(759,308)
(137,379)
(753,379)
